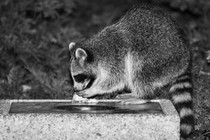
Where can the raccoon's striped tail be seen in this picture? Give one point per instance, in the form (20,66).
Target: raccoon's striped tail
(181,96)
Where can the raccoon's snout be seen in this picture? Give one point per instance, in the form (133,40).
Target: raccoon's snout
(81,86)
(82,82)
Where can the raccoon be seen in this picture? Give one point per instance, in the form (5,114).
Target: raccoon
(143,52)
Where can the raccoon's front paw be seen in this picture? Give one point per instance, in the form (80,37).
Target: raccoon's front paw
(86,93)
(77,98)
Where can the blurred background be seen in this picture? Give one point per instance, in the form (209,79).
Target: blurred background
(34,38)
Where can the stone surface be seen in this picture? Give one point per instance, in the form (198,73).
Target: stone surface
(54,126)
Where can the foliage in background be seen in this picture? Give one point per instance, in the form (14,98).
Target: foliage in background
(33,48)
(197,7)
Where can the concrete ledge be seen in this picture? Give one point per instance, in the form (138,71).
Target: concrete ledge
(54,126)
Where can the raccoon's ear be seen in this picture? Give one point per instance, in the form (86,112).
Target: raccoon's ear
(81,54)
(71,46)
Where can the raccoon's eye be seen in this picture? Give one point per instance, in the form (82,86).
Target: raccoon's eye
(80,78)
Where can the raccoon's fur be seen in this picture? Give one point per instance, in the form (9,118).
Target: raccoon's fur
(144,51)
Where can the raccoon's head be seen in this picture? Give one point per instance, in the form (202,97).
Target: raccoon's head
(81,68)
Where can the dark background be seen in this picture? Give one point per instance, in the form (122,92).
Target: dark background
(34,38)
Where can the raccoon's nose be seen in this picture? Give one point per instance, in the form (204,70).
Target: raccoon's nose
(75,89)
(78,87)
(82,85)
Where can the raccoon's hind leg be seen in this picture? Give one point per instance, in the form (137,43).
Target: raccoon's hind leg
(181,96)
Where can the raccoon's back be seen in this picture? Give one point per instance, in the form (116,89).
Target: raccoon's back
(149,26)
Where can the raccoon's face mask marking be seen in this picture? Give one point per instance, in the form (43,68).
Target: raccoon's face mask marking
(80,72)
(81,82)
(80,78)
